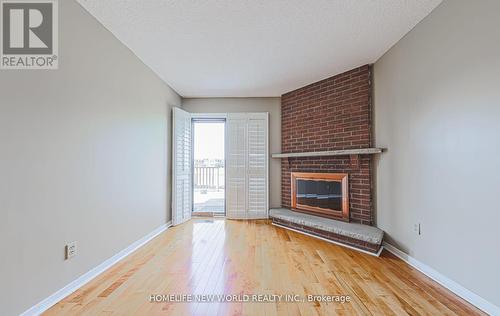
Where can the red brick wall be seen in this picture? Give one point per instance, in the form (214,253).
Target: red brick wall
(331,114)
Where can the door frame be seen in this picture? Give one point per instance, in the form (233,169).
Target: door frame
(216,117)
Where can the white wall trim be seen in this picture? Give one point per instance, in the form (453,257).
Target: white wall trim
(332,241)
(209,115)
(88,276)
(451,285)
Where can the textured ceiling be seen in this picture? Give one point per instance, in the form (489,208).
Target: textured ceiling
(242,48)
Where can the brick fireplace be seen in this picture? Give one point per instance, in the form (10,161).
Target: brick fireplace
(332,114)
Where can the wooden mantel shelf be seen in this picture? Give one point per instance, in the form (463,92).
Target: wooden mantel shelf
(345,152)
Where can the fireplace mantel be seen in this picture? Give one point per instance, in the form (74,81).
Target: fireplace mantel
(344,152)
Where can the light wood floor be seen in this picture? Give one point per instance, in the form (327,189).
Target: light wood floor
(253,257)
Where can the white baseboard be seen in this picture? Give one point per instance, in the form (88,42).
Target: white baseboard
(88,276)
(332,241)
(451,285)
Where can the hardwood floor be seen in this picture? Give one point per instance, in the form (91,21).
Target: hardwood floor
(217,256)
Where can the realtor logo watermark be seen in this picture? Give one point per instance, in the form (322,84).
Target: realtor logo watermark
(29,31)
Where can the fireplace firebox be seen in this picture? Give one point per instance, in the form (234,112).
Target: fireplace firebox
(321,194)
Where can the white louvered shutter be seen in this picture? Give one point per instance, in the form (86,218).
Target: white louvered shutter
(236,129)
(182,168)
(257,165)
(247,163)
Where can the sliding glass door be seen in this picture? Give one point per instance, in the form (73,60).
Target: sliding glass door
(220,165)
(208,167)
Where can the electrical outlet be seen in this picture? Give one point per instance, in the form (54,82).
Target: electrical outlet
(70,250)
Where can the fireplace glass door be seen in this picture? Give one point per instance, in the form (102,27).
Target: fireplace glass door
(321,194)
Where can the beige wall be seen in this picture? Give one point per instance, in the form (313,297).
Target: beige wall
(83,157)
(437,110)
(271,105)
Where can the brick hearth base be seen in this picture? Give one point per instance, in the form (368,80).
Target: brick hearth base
(358,236)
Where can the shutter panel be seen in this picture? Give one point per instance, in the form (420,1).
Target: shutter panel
(236,134)
(257,165)
(182,173)
(247,161)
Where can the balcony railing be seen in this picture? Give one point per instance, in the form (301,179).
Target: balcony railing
(209,177)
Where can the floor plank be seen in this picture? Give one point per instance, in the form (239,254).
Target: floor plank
(217,256)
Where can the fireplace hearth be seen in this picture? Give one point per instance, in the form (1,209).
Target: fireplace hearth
(321,194)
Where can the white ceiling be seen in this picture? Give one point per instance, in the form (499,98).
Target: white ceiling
(248,48)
